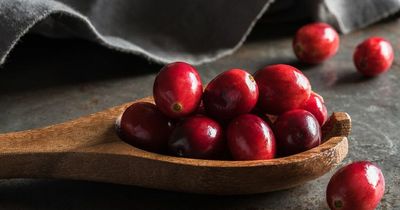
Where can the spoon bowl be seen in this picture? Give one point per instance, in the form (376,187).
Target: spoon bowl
(88,148)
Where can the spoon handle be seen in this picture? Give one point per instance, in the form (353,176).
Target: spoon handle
(73,134)
(30,153)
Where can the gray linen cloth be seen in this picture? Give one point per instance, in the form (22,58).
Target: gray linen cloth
(195,31)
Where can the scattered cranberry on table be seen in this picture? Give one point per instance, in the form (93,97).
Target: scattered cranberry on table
(144,126)
(316,105)
(359,185)
(197,137)
(250,138)
(296,131)
(231,93)
(177,90)
(315,43)
(373,56)
(281,88)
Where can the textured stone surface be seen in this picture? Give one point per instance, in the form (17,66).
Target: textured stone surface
(33,93)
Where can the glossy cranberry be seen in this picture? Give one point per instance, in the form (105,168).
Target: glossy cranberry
(315,104)
(250,138)
(373,56)
(197,137)
(230,94)
(282,88)
(144,126)
(177,90)
(296,131)
(315,43)
(359,185)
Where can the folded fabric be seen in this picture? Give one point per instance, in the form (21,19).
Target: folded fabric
(195,31)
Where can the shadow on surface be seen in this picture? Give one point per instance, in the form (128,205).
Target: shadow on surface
(273,25)
(54,194)
(289,61)
(302,66)
(352,77)
(39,62)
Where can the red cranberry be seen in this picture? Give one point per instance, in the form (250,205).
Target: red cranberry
(143,126)
(296,131)
(373,56)
(230,94)
(315,43)
(282,88)
(250,138)
(359,185)
(177,90)
(315,104)
(197,137)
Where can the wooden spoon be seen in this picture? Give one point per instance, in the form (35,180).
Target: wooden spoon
(89,149)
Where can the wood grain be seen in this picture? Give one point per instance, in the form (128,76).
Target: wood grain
(88,149)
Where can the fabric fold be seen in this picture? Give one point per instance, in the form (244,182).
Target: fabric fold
(198,31)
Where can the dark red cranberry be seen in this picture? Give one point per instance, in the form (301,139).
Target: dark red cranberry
(144,126)
(282,88)
(296,131)
(315,104)
(250,138)
(315,43)
(373,56)
(201,110)
(230,94)
(177,90)
(359,185)
(197,137)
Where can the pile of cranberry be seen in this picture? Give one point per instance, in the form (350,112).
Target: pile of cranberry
(239,116)
(229,116)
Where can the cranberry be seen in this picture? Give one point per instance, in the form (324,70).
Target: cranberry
(144,126)
(250,138)
(197,137)
(230,94)
(201,110)
(282,88)
(296,131)
(315,104)
(315,43)
(177,90)
(373,56)
(359,185)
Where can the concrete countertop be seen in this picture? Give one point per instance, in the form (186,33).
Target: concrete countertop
(48,81)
